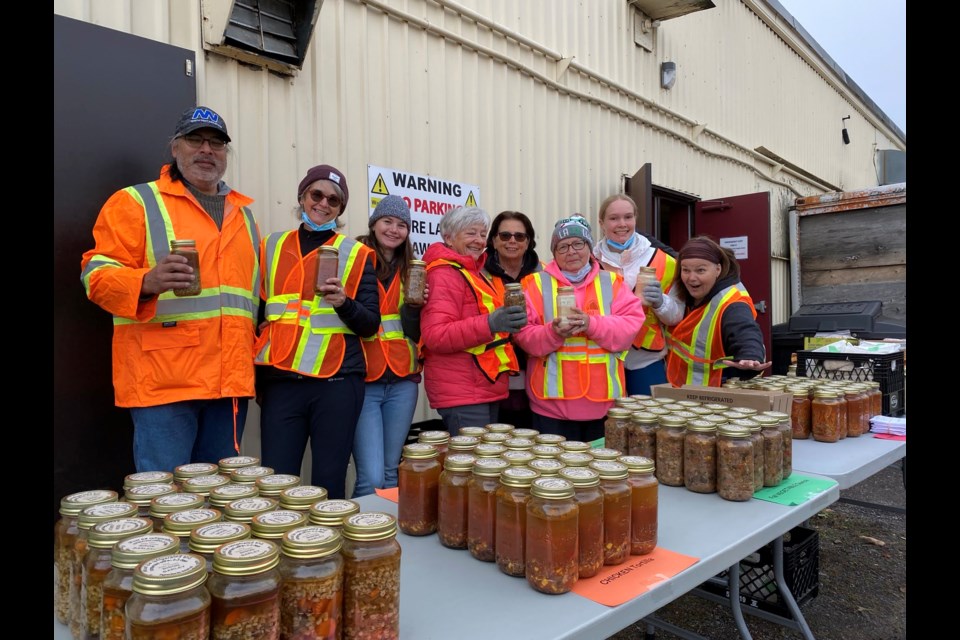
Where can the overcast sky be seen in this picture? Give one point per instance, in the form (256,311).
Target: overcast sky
(868,39)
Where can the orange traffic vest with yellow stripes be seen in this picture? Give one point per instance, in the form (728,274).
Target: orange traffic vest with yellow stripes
(390,348)
(650,336)
(580,367)
(305,333)
(696,343)
(496,357)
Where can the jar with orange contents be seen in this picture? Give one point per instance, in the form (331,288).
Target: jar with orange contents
(589,497)
(800,413)
(169,599)
(371,577)
(482,507)
(440,440)
(418,482)
(856,410)
(311,591)
(825,416)
(245,590)
(511,519)
(616,510)
(452,500)
(643,504)
(552,562)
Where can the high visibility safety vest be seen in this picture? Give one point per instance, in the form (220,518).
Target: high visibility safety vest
(580,367)
(305,333)
(650,336)
(696,343)
(496,357)
(390,348)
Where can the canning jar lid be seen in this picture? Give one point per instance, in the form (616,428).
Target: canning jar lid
(701,426)
(183,243)
(574,445)
(495,437)
(518,444)
(472,431)
(779,415)
(246,557)
(518,476)
(237,462)
(500,427)
(825,393)
(716,419)
(205,484)
(181,523)
(311,541)
(373,525)
(330,513)
(434,437)
(206,538)
(529,434)
(273,484)
(147,477)
(734,431)
(609,469)
(489,467)
(605,453)
(618,412)
(550,438)
(223,495)
(552,488)
(105,511)
(104,535)
(194,469)
(463,443)
(643,417)
(672,420)
(300,498)
(250,474)
(273,524)
(546,466)
(130,552)
(165,575)
(420,451)
(517,458)
(637,464)
(245,508)
(581,476)
(546,450)
(162,505)
(766,421)
(73,504)
(459,462)
(142,494)
(575,458)
(488,450)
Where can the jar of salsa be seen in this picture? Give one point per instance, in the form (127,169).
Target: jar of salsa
(643,504)
(589,498)
(700,456)
(482,507)
(735,479)
(311,590)
(825,415)
(642,435)
(669,460)
(371,577)
(64,537)
(616,510)
(418,482)
(511,519)
(552,562)
(169,599)
(772,450)
(245,590)
(615,429)
(118,585)
(452,500)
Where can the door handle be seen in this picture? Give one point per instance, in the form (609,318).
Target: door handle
(761,306)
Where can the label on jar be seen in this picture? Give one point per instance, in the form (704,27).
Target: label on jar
(304,492)
(313,534)
(150,476)
(123,524)
(228,490)
(206,481)
(573,457)
(370,519)
(490,463)
(238,460)
(545,464)
(150,489)
(336,506)
(193,515)
(97,495)
(608,465)
(178,499)
(576,473)
(109,509)
(517,457)
(520,472)
(172,565)
(146,543)
(280,478)
(279,517)
(251,504)
(219,530)
(254,471)
(197,467)
(552,483)
(246,549)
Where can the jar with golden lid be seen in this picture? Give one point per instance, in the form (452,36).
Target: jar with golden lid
(169,599)
(644,490)
(499,427)
(616,510)
(546,467)
(64,537)
(575,458)
(452,500)
(476,432)
(192,470)
(231,464)
(271,525)
(162,506)
(518,444)
(331,513)
(575,446)
(147,477)
(511,519)
(589,499)
(244,509)
(440,440)
(625,402)
(488,450)
(552,555)
(606,453)
(756,439)
(188,249)
(418,480)
(669,455)
(658,411)
(223,495)
(250,474)
(203,485)
(866,389)
(302,498)
(518,458)
(716,419)
(245,590)
(273,485)
(96,566)
(615,428)
(735,477)
(800,413)
(857,402)
(785,427)
(647,403)
(672,407)
(181,523)
(482,507)
(118,585)
(513,295)
(205,539)
(876,399)
(371,577)
(700,412)
(142,494)
(772,449)
(414,283)
(311,590)
(550,438)
(640,397)
(745,411)
(700,457)
(328,266)
(546,451)
(529,434)
(825,415)
(462,444)
(492,437)
(642,435)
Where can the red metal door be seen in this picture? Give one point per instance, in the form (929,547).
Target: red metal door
(742,223)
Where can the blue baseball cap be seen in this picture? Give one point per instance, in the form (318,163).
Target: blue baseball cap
(200,118)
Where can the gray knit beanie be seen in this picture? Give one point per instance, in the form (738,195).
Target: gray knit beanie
(576,226)
(390,206)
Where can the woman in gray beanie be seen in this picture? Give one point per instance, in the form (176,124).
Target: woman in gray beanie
(393,362)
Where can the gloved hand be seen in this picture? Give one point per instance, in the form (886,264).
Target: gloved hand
(508,319)
(653,295)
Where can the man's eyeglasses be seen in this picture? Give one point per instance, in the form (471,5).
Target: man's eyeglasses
(319,196)
(196,141)
(576,245)
(519,236)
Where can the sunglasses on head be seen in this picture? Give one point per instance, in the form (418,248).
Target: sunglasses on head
(519,236)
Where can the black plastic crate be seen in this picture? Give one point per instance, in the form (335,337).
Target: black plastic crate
(886,368)
(758,586)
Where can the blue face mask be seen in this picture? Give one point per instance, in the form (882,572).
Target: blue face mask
(579,275)
(622,247)
(326,226)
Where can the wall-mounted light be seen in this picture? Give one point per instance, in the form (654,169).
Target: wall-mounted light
(846,136)
(668,74)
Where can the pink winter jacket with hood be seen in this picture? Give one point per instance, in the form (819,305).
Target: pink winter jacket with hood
(449,323)
(613,333)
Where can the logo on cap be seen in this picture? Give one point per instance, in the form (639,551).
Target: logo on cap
(334,177)
(205,115)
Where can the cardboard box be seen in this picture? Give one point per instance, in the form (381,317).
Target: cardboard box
(759,400)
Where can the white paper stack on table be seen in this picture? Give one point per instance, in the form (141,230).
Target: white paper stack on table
(886,424)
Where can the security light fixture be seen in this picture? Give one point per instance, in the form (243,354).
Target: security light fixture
(668,74)
(846,136)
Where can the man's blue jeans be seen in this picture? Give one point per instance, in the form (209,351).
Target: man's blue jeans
(169,435)
(381,433)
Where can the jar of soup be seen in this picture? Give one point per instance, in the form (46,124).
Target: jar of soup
(245,590)
(856,410)
(825,415)
(772,450)
(735,478)
(118,585)
(205,539)
(328,266)
(615,429)
(371,577)
(756,439)
(415,282)
(311,591)
(589,499)
(482,507)
(187,249)
(440,440)
(700,456)
(418,481)
(785,427)
(169,599)
(552,561)
(511,519)
(800,413)
(644,490)
(64,537)
(513,295)
(566,302)
(642,435)
(452,500)
(876,399)
(669,460)
(616,510)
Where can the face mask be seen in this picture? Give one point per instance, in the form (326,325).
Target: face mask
(622,247)
(579,275)
(326,226)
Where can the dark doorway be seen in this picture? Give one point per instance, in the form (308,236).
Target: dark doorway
(662,213)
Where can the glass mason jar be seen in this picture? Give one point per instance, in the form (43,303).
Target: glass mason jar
(876,398)
(645,276)
(311,591)
(244,509)
(476,432)
(626,402)
(606,453)
(700,457)
(615,429)
(825,416)
(785,427)
(250,474)
(169,599)
(271,525)
(866,390)
(643,504)
(328,266)
(440,440)
(245,590)
(142,494)
(231,464)
(118,585)
(188,249)
(513,295)
(221,496)
(546,451)
(575,458)
(302,498)
(552,560)
(575,446)
(756,439)
(550,438)
(203,485)
(162,506)
(800,413)
(515,443)
(482,507)
(856,409)
(331,513)
(462,444)
(517,458)
(273,485)
(64,537)
(589,498)
(452,500)
(147,477)
(546,467)
(493,437)
(566,302)
(642,435)
(488,450)
(418,478)
(96,566)
(414,283)
(529,434)
(192,470)
(205,539)
(734,463)
(181,523)
(371,577)
(772,450)
(616,510)
(669,460)
(511,519)
(500,427)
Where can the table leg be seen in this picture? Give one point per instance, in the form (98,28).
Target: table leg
(785,591)
(733,584)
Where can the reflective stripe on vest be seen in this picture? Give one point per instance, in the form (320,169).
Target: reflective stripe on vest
(650,336)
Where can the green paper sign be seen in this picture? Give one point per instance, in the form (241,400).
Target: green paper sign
(597,444)
(795,490)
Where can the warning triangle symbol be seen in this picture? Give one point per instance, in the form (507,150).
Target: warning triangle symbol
(471,201)
(380,186)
